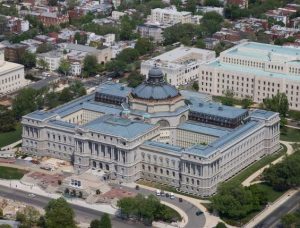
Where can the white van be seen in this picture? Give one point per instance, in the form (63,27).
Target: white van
(172,195)
(158,192)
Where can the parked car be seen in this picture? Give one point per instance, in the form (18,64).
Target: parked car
(180,200)
(137,187)
(162,193)
(172,196)
(199,212)
(167,195)
(157,192)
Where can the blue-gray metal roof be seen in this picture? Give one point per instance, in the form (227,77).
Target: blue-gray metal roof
(262,114)
(160,145)
(61,123)
(156,92)
(40,115)
(216,109)
(195,97)
(115,89)
(118,127)
(204,129)
(207,150)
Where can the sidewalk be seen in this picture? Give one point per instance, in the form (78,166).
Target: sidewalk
(289,151)
(16,184)
(210,220)
(262,215)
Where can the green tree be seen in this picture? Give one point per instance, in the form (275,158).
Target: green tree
(126,28)
(52,2)
(32,216)
(77,89)
(228,99)
(191,6)
(144,46)
(278,103)
(105,221)
(44,47)
(215,3)
(80,38)
(95,223)
(59,214)
(284,175)
(7,120)
(200,43)
(90,65)
(128,55)
(220,225)
(235,202)
(180,32)
(28,59)
(64,66)
(5,226)
(24,102)
(115,65)
(42,64)
(195,86)
(211,22)
(247,102)
(65,95)
(135,79)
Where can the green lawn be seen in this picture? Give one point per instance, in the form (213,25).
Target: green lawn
(290,134)
(11,173)
(10,137)
(294,114)
(243,175)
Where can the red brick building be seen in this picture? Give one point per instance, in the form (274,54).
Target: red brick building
(49,19)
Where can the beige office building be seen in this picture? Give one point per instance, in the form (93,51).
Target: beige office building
(254,70)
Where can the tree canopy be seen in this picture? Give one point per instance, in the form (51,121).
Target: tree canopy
(7,120)
(278,103)
(146,209)
(64,66)
(134,79)
(59,214)
(235,202)
(90,65)
(284,175)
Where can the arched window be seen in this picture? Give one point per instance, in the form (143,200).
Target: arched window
(164,123)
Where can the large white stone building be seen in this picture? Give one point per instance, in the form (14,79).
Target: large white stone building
(169,15)
(52,58)
(180,65)
(254,70)
(11,75)
(154,132)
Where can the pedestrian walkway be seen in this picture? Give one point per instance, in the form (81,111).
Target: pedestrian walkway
(33,189)
(10,146)
(249,180)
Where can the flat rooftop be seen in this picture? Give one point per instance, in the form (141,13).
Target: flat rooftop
(114,89)
(202,128)
(250,70)
(262,51)
(216,109)
(177,53)
(119,127)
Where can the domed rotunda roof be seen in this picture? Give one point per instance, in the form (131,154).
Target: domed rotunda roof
(155,88)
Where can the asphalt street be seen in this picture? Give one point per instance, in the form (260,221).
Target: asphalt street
(82,213)
(273,220)
(194,221)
